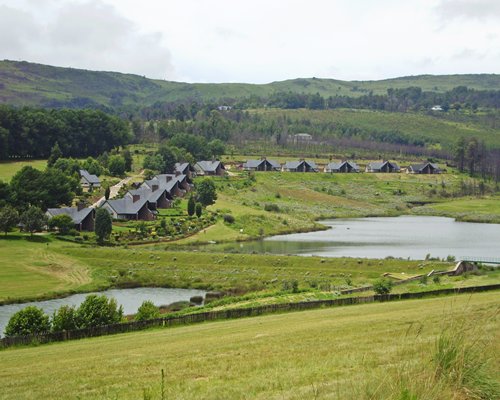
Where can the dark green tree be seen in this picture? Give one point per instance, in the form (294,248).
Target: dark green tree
(116,165)
(191,206)
(216,148)
(382,286)
(33,220)
(5,194)
(460,154)
(206,192)
(98,311)
(92,166)
(55,154)
(103,225)
(127,156)
(169,159)
(9,218)
(199,209)
(63,223)
(29,320)
(107,192)
(154,162)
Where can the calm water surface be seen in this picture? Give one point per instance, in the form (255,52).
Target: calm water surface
(130,299)
(406,237)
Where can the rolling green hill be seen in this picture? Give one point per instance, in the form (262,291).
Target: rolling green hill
(24,83)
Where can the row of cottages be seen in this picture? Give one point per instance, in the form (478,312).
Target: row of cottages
(143,203)
(205,168)
(89,181)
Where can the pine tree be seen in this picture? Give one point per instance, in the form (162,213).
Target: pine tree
(103,225)
(55,154)
(191,206)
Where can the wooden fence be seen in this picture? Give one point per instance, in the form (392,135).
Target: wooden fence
(226,314)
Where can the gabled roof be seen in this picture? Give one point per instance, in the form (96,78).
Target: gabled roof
(209,166)
(90,178)
(420,167)
(296,164)
(76,215)
(126,205)
(337,165)
(181,167)
(147,193)
(161,182)
(257,163)
(380,164)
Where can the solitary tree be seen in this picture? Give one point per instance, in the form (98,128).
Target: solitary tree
(127,157)
(103,225)
(191,206)
(29,320)
(107,193)
(33,220)
(9,218)
(206,192)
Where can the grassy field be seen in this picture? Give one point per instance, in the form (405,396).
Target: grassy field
(47,267)
(375,351)
(302,198)
(9,169)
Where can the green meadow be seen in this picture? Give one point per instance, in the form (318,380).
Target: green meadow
(432,349)
(9,168)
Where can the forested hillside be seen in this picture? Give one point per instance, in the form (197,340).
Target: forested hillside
(23,83)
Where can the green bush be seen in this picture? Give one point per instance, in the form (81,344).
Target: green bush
(382,286)
(29,320)
(146,311)
(228,218)
(98,311)
(64,319)
(63,223)
(272,207)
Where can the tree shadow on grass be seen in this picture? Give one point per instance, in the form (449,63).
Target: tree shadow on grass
(18,237)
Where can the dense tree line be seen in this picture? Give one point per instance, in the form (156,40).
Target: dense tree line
(32,132)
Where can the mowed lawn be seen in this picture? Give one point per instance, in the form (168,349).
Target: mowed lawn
(9,169)
(29,268)
(373,351)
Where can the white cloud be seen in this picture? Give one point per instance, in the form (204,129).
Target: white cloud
(260,40)
(88,34)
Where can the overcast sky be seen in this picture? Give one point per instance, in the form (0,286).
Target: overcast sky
(256,41)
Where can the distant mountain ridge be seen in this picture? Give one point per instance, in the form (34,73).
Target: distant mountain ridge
(24,83)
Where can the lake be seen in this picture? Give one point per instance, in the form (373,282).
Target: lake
(403,237)
(130,299)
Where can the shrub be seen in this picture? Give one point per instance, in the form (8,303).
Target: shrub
(64,319)
(382,286)
(63,223)
(146,311)
(198,209)
(228,218)
(191,206)
(271,207)
(98,311)
(29,320)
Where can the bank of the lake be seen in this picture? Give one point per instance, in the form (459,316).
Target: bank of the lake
(406,237)
(130,299)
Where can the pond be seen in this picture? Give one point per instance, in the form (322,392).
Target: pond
(411,237)
(130,299)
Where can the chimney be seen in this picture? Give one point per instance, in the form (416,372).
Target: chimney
(80,205)
(177,173)
(135,197)
(154,188)
(168,178)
